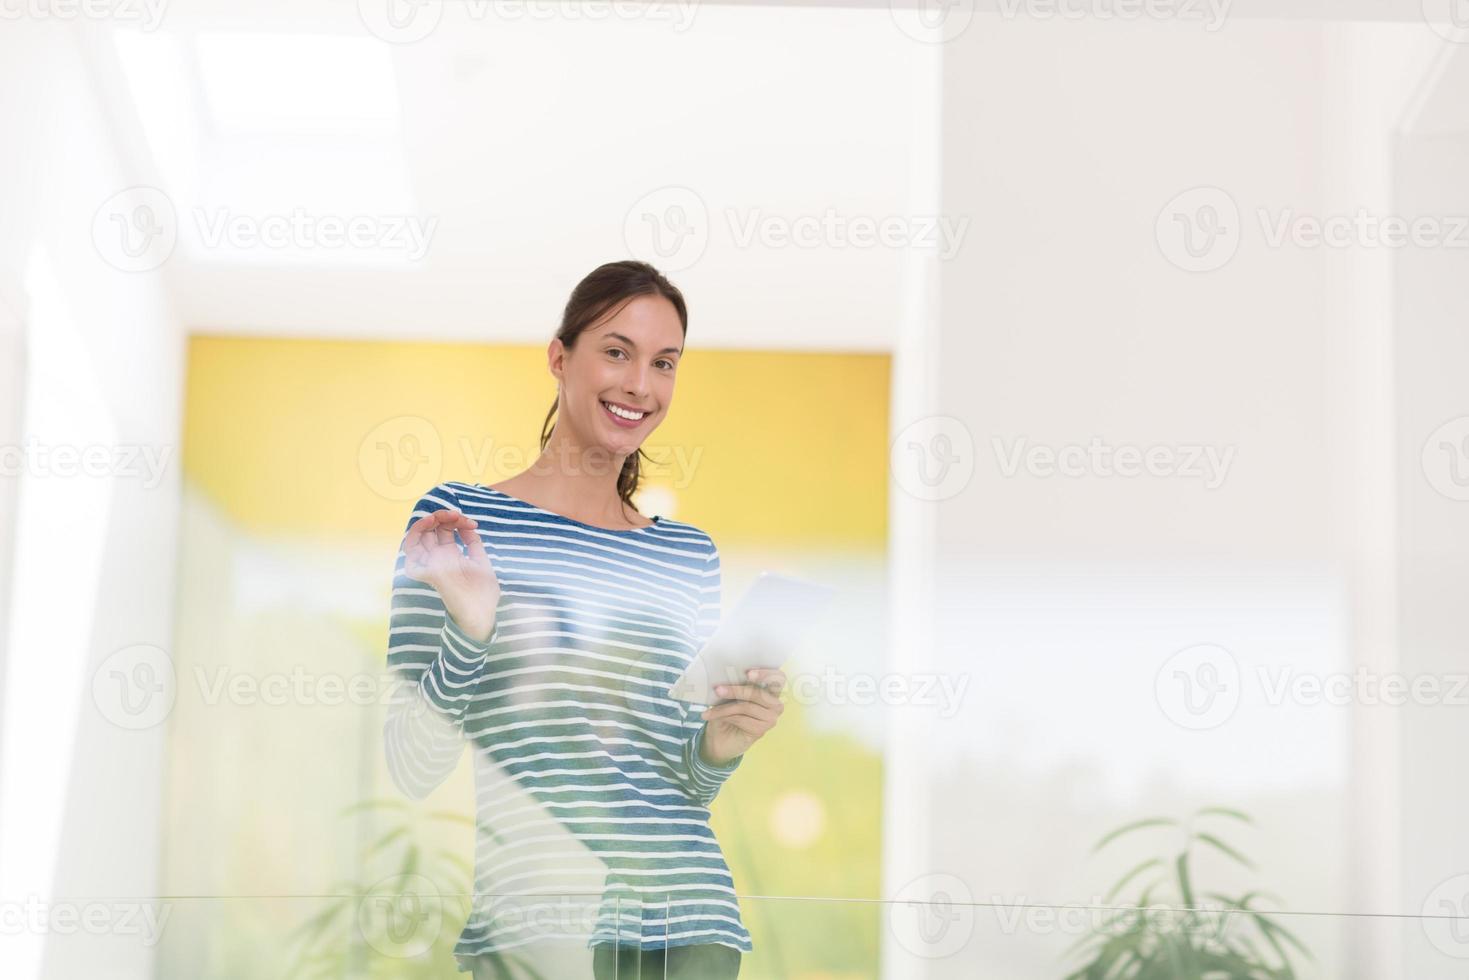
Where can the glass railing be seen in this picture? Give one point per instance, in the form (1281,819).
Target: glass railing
(405,926)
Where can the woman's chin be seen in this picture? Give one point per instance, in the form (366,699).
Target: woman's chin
(614,446)
(621,442)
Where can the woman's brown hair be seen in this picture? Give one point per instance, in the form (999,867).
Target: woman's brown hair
(604,291)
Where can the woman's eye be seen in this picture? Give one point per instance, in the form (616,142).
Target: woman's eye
(662,362)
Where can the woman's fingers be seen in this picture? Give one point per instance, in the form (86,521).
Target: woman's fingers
(773,679)
(742,709)
(464,527)
(424,532)
(416,531)
(416,542)
(752,730)
(432,537)
(749,692)
(440,527)
(472,543)
(444,528)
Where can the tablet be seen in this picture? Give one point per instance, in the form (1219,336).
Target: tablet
(763,630)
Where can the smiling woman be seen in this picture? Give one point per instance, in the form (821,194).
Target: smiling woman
(614,358)
(544,620)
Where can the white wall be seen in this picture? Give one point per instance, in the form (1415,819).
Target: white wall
(1375,79)
(12,399)
(1063,598)
(1431,351)
(79,798)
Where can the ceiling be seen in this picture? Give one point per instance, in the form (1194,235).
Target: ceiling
(495,160)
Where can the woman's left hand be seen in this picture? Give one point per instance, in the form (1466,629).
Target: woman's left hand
(735,725)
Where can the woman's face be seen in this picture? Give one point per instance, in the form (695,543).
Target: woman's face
(628,361)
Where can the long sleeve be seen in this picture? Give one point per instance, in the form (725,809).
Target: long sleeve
(701,780)
(434,667)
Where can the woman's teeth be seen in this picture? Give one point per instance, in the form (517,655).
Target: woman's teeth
(623,413)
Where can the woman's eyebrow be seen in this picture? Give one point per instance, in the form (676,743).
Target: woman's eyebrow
(629,342)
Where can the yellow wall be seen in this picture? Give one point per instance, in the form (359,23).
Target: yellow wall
(289,435)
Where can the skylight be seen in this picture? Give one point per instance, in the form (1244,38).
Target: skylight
(307,84)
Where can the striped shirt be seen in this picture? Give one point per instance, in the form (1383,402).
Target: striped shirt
(588,780)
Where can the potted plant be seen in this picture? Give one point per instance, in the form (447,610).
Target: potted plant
(393,928)
(1165,934)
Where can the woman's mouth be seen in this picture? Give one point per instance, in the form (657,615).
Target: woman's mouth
(626,417)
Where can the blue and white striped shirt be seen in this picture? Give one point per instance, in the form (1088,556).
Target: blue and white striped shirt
(587,774)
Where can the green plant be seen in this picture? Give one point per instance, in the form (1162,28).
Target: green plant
(1167,935)
(360,933)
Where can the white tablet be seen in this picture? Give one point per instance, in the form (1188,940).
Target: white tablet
(762,630)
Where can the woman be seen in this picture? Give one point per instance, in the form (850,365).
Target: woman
(543,619)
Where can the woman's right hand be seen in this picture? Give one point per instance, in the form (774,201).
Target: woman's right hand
(466,582)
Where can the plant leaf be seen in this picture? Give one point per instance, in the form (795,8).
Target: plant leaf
(1150,862)
(410,861)
(1280,930)
(377,803)
(1129,828)
(1185,889)
(317,924)
(456,859)
(452,816)
(1218,844)
(385,840)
